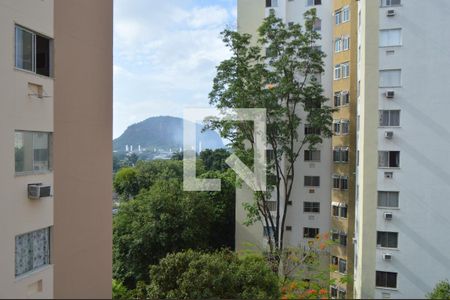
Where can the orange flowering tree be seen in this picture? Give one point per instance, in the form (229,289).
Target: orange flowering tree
(307,271)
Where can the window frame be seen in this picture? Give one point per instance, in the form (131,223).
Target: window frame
(384,71)
(388,199)
(311,207)
(397,166)
(387,30)
(34,51)
(312,181)
(389,118)
(49,153)
(308,230)
(384,3)
(310,155)
(345,17)
(386,279)
(387,236)
(48,253)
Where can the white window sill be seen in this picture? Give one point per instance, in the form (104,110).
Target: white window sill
(388,208)
(387,248)
(29,173)
(33,73)
(32,272)
(386,288)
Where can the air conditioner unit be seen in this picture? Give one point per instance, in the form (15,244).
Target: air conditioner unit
(38,190)
(387,256)
(389,135)
(388,216)
(390,94)
(390,13)
(388,175)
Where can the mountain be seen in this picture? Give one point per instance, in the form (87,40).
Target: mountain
(165,133)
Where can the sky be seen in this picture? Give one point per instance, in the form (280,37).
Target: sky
(165,54)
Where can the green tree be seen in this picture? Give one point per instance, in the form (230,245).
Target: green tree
(284,81)
(126,182)
(161,220)
(440,291)
(224,275)
(214,160)
(119,291)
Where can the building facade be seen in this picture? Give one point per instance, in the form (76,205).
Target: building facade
(389,172)
(402,177)
(309,212)
(55,213)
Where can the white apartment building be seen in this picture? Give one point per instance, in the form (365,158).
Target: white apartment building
(309,212)
(55,213)
(402,208)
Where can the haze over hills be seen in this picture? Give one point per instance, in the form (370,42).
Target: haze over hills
(163,133)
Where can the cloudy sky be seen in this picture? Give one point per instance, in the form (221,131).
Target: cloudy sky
(165,53)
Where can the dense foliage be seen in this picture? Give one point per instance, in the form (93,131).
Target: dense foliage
(223,275)
(440,291)
(157,217)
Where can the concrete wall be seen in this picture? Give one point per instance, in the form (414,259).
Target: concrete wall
(83,149)
(18,111)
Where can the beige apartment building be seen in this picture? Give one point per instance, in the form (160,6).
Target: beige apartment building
(56,129)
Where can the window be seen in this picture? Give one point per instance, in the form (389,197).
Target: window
(388,159)
(337,99)
(310,233)
(387,239)
(335,236)
(388,199)
(337,127)
(345,98)
(317,26)
(32,51)
(312,155)
(390,37)
(310,130)
(342,239)
(390,78)
(389,117)
(334,260)
(338,17)
(386,279)
(271,205)
(336,181)
(32,251)
(345,14)
(345,70)
(390,2)
(342,294)
(345,43)
(345,126)
(343,211)
(271,3)
(335,210)
(344,183)
(342,266)
(333,292)
(32,151)
(340,155)
(311,207)
(338,45)
(314,2)
(312,180)
(337,72)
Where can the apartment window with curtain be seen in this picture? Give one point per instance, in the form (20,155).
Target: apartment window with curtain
(387,239)
(311,207)
(390,37)
(338,17)
(388,159)
(389,118)
(32,251)
(345,14)
(337,99)
(338,45)
(312,181)
(386,279)
(32,152)
(33,52)
(337,72)
(390,78)
(345,70)
(388,199)
(312,155)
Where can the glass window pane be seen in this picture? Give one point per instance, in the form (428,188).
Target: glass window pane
(24,49)
(32,251)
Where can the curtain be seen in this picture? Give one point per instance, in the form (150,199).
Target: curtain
(32,250)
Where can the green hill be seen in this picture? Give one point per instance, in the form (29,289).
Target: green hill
(163,133)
